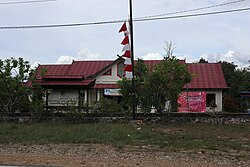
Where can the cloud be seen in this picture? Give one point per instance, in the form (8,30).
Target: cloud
(152,56)
(188,58)
(239,58)
(86,54)
(83,54)
(34,65)
(64,60)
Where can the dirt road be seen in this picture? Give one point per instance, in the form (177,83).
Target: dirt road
(83,155)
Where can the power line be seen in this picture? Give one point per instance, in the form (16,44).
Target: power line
(23,2)
(192,10)
(193,15)
(121,21)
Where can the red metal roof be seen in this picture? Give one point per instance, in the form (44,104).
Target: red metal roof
(63,76)
(206,75)
(87,68)
(52,70)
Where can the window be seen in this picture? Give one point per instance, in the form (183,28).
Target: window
(211,100)
(120,70)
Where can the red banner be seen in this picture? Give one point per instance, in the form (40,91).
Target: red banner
(192,102)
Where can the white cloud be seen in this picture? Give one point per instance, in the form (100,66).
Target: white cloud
(239,58)
(83,54)
(152,56)
(87,54)
(34,65)
(64,60)
(188,58)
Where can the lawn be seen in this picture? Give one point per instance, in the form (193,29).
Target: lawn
(165,137)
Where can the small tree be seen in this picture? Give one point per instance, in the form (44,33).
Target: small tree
(140,81)
(167,81)
(154,88)
(13,72)
(238,80)
(202,60)
(14,93)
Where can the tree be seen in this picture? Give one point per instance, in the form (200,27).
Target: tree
(155,87)
(14,93)
(167,81)
(238,80)
(140,80)
(202,60)
(13,72)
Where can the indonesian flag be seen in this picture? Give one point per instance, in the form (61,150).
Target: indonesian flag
(126,47)
(127,53)
(125,41)
(128,68)
(128,61)
(123,28)
(128,75)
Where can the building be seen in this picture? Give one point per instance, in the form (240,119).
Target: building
(84,82)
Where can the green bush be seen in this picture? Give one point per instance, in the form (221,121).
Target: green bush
(106,106)
(229,104)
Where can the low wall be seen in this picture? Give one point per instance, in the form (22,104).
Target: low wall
(220,118)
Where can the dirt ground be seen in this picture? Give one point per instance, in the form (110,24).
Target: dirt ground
(83,155)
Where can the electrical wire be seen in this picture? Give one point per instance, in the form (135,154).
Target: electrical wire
(193,15)
(125,20)
(24,2)
(191,10)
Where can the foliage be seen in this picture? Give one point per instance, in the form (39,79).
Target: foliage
(167,81)
(15,95)
(154,87)
(13,72)
(140,81)
(237,79)
(229,104)
(105,105)
(202,60)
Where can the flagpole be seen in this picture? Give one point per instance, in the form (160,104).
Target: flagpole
(132,57)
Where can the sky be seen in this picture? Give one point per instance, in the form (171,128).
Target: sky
(224,37)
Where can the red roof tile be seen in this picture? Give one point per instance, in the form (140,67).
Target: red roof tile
(206,75)
(87,68)
(54,70)
(63,76)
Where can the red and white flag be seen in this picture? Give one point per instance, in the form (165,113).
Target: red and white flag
(127,53)
(123,28)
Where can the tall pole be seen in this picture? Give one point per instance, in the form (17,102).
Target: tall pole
(132,57)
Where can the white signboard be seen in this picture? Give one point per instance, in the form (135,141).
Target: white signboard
(112,92)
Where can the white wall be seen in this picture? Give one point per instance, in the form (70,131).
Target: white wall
(109,79)
(63,97)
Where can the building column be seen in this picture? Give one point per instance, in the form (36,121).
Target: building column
(85,96)
(98,94)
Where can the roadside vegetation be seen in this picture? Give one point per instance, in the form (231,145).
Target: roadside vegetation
(230,138)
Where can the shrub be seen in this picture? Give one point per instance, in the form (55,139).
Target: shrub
(107,106)
(229,104)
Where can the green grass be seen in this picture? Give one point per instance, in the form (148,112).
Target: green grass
(165,137)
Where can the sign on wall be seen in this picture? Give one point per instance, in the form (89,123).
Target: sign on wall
(112,92)
(192,102)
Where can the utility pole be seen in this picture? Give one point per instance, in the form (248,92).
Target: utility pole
(132,57)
